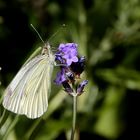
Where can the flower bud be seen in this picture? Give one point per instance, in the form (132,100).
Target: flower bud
(81,86)
(67,87)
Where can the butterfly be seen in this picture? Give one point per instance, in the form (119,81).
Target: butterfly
(28,92)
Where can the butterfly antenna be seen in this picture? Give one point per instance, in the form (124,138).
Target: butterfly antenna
(37,33)
(63,25)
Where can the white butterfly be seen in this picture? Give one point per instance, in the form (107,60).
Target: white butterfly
(28,92)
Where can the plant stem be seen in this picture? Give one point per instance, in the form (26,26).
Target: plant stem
(11,126)
(74,117)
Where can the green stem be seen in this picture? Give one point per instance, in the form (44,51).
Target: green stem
(74,117)
(11,126)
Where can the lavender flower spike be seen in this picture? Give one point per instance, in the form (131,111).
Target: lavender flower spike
(71,68)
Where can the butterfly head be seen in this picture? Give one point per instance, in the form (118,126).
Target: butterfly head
(46,49)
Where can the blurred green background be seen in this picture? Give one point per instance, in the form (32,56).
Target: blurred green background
(108,34)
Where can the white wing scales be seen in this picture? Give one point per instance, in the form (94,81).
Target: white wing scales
(28,92)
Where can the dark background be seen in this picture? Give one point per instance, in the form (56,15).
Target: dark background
(108,34)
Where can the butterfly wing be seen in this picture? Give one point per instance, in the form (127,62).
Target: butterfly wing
(28,92)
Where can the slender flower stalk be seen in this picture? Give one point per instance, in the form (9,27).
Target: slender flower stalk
(71,67)
(74,117)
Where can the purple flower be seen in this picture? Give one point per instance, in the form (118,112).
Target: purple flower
(71,67)
(60,78)
(81,87)
(64,75)
(78,67)
(67,53)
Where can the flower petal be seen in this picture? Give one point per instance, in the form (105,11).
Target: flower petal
(60,77)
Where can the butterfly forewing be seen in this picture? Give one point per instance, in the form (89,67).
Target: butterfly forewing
(28,92)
